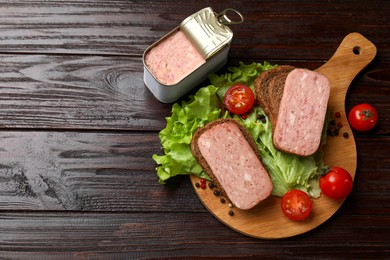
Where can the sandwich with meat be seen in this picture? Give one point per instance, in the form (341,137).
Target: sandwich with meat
(295,101)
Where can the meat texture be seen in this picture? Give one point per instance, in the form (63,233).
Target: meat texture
(173,59)
(228,154)
(302,112)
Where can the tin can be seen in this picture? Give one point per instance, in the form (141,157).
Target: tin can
(184,57)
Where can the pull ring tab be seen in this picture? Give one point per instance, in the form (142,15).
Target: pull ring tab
(225,20)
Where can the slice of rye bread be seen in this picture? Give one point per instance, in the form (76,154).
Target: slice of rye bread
(276,86)
(263,87)
(203,162)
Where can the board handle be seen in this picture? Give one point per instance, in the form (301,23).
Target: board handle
(352,56)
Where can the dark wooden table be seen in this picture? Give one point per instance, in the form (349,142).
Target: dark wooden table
(79,127)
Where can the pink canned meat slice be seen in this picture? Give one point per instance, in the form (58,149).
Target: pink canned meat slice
(235,164)
(173,59)
(302,112)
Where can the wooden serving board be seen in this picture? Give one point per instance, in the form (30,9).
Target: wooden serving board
(267,220)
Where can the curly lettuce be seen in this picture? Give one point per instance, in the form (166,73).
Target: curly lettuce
(286,171)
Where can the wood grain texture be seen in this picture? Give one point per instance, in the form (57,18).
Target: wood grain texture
(78,128)
(95,92)
(84,171)
(276,29)
(79,235)
(84,92)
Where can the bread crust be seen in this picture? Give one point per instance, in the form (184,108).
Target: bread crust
(264,89)
(203,162)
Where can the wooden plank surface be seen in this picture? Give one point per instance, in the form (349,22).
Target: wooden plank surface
(276,29)
(78,128)
(97,236)
(101,171)
(97,92)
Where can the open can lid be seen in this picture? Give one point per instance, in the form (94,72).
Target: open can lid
(208,31)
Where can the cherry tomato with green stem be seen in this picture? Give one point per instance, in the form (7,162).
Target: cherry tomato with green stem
(363,117)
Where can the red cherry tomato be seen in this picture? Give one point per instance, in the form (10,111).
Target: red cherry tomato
(363,117)
(239,99)
(296,204)
(337,183)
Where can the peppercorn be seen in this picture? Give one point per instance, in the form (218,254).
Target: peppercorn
(222,200)
(337,114)
(197,185)
(339,125)
(346,135)
(231,213)
(262,119)
(217,192)
(211,185)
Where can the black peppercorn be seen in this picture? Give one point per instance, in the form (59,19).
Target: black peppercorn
(346,135)
(222,200)
(211,185)
(231,213)
(262,118)
(197,185)
(217,192)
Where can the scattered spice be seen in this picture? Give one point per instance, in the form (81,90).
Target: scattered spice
(230,205)
(222,200)
(231,213)
(345,135)
(197,185)
(334,126)
(211,185)
(217,192)
(203,183)
(262,118)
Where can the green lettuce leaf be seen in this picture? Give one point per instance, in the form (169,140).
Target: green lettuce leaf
(287,171)
(176,136)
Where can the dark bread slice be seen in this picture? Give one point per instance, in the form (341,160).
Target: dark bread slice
(266,185)
(201,160)
(263,87)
